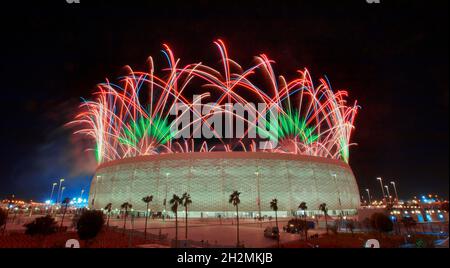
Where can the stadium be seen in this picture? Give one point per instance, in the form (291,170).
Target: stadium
(143,149)
(211,177)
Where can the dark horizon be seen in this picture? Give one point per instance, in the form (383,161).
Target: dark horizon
(391,57)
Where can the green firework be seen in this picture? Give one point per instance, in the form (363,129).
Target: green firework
(157,129)
(289,125)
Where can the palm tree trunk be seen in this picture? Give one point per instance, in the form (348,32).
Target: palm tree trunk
(62,220)
(326,222)
(276,222)
(186,224)
(237,225)
(176,229)
(306,227)
(125,220)
(146,218)
(107,221)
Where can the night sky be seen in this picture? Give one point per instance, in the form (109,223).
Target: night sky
(392,58)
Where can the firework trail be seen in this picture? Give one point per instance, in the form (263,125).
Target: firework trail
(132,116)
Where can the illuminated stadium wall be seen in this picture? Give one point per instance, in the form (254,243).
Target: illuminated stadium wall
(211,177)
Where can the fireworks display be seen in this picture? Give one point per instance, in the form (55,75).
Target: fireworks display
(132,116)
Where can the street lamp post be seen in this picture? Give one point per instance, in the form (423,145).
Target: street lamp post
(59,190)
(81,195)
(51,196)
(62,192)
(388,194)
(381,185)
(395,191)
(338,192)
(368,194)
(259,200)
(95,190)
(165,197)
(53,189)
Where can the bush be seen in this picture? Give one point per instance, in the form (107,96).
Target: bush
(41,226)
(381,223)
(90,224)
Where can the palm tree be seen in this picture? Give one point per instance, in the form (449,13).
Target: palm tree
(147,200)
(108,208)
(125,206)
(175,202)
(324,209)
(303,207)
(186,201)
(234,199)
(66,202)
(274,207)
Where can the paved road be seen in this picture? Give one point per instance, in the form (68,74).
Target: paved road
(214,232)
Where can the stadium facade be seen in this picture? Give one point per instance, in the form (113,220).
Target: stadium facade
(210,178)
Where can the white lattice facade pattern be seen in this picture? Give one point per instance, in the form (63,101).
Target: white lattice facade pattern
(210,178)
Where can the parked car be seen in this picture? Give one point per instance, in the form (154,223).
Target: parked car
(272,232)
(295,226)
